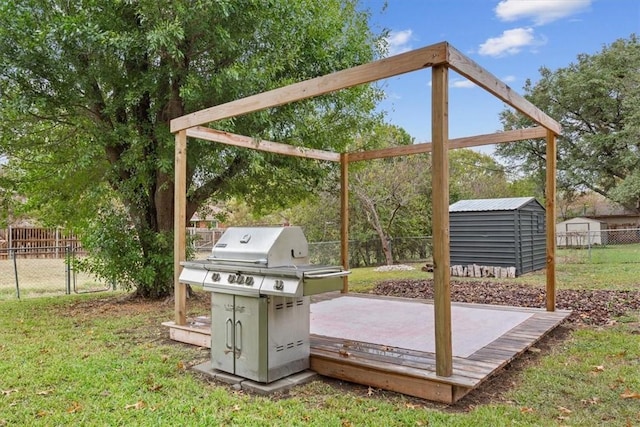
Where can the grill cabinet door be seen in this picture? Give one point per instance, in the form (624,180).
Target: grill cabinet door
(250,329)
(222,332)
(239,335)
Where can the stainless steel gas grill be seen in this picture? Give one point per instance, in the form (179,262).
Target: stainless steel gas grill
(260,281)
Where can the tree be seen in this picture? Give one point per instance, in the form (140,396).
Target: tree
(475,175)
(391,198)
(597,102)
(87,90)
(384,189)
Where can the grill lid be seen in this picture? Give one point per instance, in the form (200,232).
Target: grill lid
(265,246)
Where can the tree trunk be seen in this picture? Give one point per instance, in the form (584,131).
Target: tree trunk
(374,220)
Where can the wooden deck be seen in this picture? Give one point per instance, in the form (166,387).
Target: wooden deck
(405,370)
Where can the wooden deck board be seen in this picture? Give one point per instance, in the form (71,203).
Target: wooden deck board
(403,370)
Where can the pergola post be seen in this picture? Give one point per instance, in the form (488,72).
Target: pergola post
(440,195)
(550,194)
(179,224)
(344,218)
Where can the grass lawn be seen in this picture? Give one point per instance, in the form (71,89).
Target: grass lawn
(610,267)
(105,360)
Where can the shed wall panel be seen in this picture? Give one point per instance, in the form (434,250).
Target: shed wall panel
(513,238)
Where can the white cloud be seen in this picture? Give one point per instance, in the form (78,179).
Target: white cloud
(509,79)
(399,41)
(457,83)
(539,11)
(509,43)
(463,83)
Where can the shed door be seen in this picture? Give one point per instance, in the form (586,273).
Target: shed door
(528,227)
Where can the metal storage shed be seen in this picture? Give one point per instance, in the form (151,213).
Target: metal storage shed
(499,233)
(579,232)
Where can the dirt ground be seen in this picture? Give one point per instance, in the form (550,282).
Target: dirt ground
(590,309)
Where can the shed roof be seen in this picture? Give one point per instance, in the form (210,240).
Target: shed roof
(506,204)
(580,220)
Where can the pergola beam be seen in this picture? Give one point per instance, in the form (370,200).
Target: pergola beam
(440,57)
(465,142)
(228,138)
(388,67)
(179,225)
(478,75)
(440,219)
(550,193)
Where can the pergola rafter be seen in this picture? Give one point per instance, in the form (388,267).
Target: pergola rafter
(440,57)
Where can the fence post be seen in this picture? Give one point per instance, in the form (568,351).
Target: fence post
(67,266)
(12,251)
(57,251)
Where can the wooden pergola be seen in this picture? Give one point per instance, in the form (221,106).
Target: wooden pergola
(440,57)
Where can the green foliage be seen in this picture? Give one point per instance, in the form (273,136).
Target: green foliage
(391,198)
(87,91)
(475,175)
(117,256)
(597,101)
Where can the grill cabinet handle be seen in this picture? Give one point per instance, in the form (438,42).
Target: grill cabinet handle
(312,276)
(239,261)
(238,340)
(229,334)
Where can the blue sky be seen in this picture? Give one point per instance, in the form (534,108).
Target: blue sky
(512,39)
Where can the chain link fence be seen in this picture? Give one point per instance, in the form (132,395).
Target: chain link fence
(41,271)
(609,246)
(44,271)
(367,253)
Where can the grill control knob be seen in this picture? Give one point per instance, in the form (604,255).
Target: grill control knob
(240,279)
(279,285)
(231,278)
(249,281)
(215,277)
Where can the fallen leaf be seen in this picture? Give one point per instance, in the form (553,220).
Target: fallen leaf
(8,392)
(138,405)
(564,410)
(410,405)
(75,407)
(526,410)
(598,368)
(346,423)
(592,401)
(370,392)
(42,413)
(236,408)
(181,365)
(44,392)
(628,394)
(156,387)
